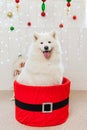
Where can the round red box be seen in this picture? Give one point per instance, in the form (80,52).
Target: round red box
(39,95)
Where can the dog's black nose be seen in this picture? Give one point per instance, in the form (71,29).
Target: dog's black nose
(46,48)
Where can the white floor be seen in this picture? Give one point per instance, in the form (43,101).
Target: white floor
(77,119)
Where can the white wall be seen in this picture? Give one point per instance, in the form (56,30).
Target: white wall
(73,36)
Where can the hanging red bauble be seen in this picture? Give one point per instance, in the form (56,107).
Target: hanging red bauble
(74,17)
(17,1)
(17,5)
(29,23)
(61,25)
(68,4)
(43,14)
(43,0)
(43,7)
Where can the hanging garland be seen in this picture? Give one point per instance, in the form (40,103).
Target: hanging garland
(43,7)
(68,5)
(17,4)
(43,13)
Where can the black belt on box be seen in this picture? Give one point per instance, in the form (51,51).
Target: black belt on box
(46,107)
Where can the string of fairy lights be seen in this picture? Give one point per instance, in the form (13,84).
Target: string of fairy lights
(16,29)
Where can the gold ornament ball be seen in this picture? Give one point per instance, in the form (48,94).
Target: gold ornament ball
(68,10)
(17,6)
(10,14)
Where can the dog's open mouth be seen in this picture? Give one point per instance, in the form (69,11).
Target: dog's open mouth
(47,54)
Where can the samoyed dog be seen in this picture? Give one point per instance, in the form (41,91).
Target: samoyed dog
(44,64)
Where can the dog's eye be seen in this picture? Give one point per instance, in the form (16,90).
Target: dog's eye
(41,43)
(49,41)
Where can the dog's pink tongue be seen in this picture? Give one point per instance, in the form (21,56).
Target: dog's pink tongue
(47,54)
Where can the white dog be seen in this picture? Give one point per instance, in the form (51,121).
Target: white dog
(44,64)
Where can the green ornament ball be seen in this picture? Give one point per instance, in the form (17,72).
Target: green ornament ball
(11,28)
(68,0)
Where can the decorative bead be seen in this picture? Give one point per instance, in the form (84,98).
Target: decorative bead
(43,14)
(11,28)
(17,6)
(29,23)
(74,17)
(68,9)
(61,25)
(43,6)
(68,0)
(43,0)
(68,4)
(17,1)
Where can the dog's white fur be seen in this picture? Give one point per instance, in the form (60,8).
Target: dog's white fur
(38,70)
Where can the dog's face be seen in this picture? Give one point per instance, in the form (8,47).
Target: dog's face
(45,43)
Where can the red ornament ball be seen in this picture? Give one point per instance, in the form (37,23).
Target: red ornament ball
(17,1)
(61,25)
(43,14)
(29,23)
(43,0)
(74,17)
(68,4)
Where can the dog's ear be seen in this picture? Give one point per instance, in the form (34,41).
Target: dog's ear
(36,36)
(53,34)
